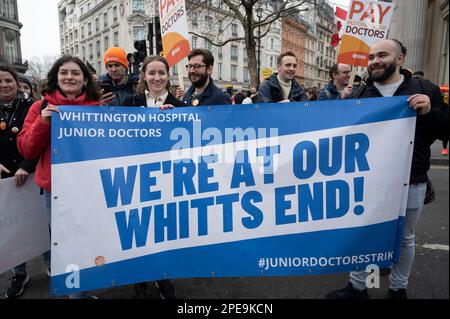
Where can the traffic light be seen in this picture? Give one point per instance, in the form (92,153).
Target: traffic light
(159,46)
(141,50)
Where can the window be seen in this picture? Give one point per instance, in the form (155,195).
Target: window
(106,43)
(138,33)
(245,55)
(219,69)
(233,72)
(194,42)
(138,6)
(98,49)
(115,14)
(219,49)
(234,30)
(76,35)
(208,45)
(89,29)
(234,53)
(97,25)
(10,51)
(105,19)
(91,52)
(246,75)
(83,53)
(220,26)
(272,45)
(82,32)
(194,20)
(116,39)
(208,22)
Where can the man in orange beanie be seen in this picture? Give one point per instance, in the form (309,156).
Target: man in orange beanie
(116,84)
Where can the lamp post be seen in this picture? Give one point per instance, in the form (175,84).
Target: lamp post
(259,11)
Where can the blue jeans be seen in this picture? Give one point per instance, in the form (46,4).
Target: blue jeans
(46,203)
(401,270)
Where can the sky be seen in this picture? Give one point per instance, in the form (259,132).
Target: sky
(40,31)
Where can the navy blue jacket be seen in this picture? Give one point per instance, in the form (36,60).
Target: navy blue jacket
(329,92)
(212,95)
(121,92)
(270,91)
(429,127)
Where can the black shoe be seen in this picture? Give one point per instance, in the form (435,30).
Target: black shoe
(397,294)
(348,293)
(166,290)
(385,271)
(141,291)
(17,286)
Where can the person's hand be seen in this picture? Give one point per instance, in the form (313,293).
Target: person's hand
(179,93)
(166,107)
(3,169)
(106,98)
(46,113)
(21,177)
(420,103)
(285,101)
(347,92)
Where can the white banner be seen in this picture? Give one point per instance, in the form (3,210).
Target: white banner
(24,232)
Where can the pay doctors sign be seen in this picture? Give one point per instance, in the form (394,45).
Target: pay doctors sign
(367,23)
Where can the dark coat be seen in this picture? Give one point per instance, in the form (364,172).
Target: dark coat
(329,92)
(212,95)
(140,100)
(270,91)
(121,92)
(9,153)
(429,127)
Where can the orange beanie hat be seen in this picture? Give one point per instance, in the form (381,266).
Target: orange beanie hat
(116,54)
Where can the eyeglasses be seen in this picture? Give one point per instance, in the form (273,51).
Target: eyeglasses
(194,66)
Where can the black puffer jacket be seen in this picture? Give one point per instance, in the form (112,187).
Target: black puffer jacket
(429,127)
(14,116)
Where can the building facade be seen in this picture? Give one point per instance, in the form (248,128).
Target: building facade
(294,39)
(10,49)
(89,27)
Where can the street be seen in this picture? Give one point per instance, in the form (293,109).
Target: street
(429,278)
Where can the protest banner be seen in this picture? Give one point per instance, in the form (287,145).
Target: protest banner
(367,23)
(24,232)
(218,191)
(174,30)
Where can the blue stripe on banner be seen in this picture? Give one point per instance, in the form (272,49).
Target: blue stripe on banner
(250,258)
(288,118)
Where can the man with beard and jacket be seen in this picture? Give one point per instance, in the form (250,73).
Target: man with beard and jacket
(203,91)
(282,87)
(386,78)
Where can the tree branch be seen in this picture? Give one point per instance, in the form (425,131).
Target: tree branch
(221,44)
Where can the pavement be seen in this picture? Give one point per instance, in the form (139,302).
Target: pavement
(436,157)
(429,277)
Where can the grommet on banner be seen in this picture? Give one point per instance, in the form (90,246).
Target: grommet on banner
(209,108)
(55,197)
(306,105)
(113,283)
(256,106)
(165,275)
(213,274)
(358,102)
(55,244)
(111,109)
(410,142)
(55,151)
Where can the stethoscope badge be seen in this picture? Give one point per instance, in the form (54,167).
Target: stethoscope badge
(195,102)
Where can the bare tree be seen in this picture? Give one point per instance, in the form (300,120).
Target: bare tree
(244,12)
(38,68)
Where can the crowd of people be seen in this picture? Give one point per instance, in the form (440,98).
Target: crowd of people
(25,124)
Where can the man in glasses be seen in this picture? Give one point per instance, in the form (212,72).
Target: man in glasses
(337,87)
(203,91)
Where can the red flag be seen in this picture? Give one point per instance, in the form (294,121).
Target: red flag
(339,21)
